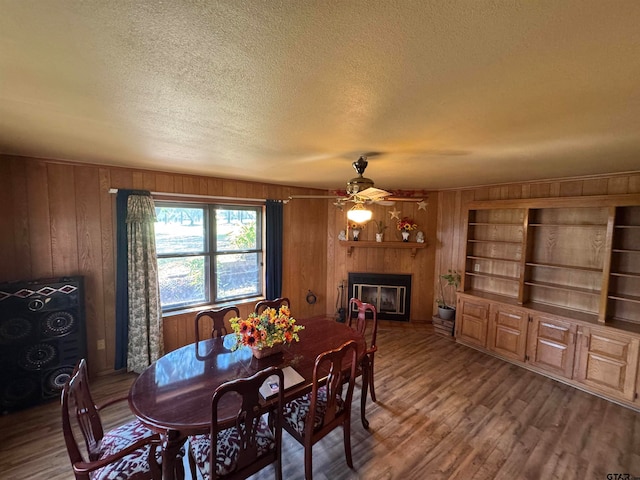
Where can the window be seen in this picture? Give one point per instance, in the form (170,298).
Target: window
(208,253)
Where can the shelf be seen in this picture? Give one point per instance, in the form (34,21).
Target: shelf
(586,225)
(491,275)
(563,267)
(413,246)
(555,286)
(626,274)
(624,298)
(628,226)
(497,242)
(492,259)
(620,250)
(489,224)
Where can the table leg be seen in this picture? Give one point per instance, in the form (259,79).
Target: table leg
(365,389)
(171,446)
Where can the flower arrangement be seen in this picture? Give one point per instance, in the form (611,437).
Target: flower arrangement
(406,224)
(266,329)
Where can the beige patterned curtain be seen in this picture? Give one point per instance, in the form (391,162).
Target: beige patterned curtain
(145,320)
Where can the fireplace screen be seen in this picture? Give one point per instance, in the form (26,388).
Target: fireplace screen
(386,298)
(389,293)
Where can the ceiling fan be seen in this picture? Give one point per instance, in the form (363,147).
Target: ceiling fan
(361,190)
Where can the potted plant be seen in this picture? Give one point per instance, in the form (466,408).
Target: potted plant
(380,225)
(449,283)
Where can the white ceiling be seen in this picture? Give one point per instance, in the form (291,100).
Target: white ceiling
(454,93)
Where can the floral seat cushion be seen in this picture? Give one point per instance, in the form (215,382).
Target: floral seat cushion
(228,447)
(296,411)
(129,467)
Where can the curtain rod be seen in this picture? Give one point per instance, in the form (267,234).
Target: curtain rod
(210,197)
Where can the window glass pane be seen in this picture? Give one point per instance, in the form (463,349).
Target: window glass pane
(238,275)
(236,229)
(180,230)
(182,281)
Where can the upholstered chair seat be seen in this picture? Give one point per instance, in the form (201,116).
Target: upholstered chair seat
(228,448)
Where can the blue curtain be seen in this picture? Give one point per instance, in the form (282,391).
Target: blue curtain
(274,232)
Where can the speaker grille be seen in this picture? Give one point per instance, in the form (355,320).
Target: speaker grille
(42,337)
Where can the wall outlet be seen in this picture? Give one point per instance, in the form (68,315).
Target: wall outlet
(101,344)
(476,267)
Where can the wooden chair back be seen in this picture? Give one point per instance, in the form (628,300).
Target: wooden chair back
(250,410)
(217,317)
(76,396)
(261,305)
(129,451)
(334,375)
(329,372)
(365,321)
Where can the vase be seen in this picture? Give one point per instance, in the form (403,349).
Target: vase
(266,351)
(356,234)
(379,237)
(405,236)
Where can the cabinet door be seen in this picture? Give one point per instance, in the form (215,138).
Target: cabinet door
(551,344)
(472,321)
(508,331)
(607,361)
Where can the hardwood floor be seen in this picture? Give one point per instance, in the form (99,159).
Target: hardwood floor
(444,411)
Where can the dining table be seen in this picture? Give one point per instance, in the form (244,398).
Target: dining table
(173,395)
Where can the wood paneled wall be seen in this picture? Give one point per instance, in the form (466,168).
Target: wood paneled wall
(58,219)
(385,260)
(450,245)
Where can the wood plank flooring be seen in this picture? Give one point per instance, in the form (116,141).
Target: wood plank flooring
(444,411)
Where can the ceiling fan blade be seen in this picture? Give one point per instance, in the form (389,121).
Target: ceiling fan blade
(373,193)
(333,197)
(405,199)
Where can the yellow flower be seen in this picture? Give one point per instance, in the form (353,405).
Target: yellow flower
(406,224)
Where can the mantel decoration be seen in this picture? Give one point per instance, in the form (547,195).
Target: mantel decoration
(405,226)
(381,227)
(267,332)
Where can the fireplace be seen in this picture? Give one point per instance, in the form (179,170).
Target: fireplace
(390,293)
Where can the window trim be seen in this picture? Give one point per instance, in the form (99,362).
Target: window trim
(210,252)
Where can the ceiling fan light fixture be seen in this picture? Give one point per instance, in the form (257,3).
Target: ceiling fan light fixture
(359,214)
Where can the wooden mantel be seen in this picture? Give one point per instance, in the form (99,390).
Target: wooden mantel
(413,246)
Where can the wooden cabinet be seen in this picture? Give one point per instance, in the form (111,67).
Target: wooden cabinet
(508,331)
(551,344)
(472,319)
(553,284)
(597,358)
(607,361)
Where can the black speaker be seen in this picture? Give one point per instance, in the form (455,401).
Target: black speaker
(42,337)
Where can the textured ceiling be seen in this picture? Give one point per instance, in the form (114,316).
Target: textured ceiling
(453,93)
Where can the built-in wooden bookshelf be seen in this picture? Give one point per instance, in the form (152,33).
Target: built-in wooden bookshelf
(575,257)
(623,300)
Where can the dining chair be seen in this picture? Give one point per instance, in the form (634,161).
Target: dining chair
(217,317)
(261,305)
(366,324)
(249,443)
(313,415)
(130,451)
